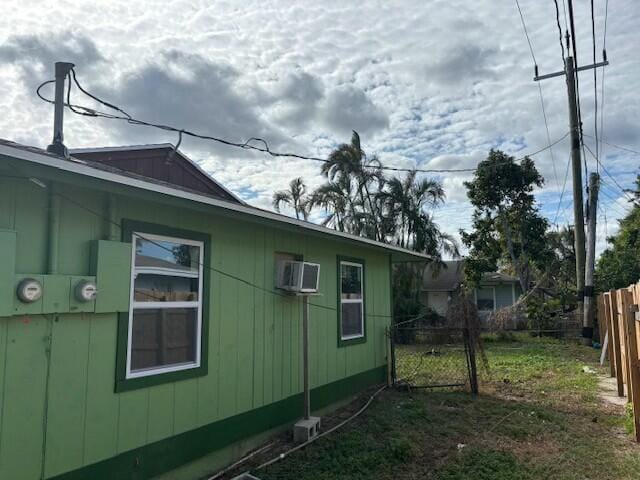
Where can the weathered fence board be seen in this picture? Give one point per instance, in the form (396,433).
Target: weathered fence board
(620,323)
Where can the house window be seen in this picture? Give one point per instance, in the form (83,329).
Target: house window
(485,299)
(163,336)
(351,298)
(165,318)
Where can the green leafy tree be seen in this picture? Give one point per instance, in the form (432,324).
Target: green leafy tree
(562,277)
(507,227)
(619,264)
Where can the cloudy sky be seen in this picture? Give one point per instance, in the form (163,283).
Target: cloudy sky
(431,84)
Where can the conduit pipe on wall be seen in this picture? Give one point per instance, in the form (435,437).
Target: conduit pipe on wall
(53,231)
(112,225)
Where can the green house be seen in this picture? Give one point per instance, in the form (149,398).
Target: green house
(141,330)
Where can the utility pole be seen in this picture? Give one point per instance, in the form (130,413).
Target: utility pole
(576,171)
(592,209)
(570,71)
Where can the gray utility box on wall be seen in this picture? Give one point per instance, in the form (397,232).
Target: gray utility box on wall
(305,429)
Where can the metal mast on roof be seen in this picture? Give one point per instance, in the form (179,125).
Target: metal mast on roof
(57,145)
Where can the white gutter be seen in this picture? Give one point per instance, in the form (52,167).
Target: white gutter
(80,167)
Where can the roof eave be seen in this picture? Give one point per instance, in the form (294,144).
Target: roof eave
(80,167)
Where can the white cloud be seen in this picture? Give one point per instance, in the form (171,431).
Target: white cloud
(435,84)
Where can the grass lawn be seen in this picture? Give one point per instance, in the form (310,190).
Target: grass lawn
(537,417)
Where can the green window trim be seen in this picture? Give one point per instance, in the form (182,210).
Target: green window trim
(350,341)
(122,383)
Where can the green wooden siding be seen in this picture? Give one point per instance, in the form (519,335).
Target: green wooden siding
(59,370)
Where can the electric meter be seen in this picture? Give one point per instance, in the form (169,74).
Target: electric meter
(85,291)
(29,290)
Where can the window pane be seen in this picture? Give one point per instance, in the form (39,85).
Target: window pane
(165,255)
(310,277)
(351,319)
(484,298)
(485,293)
(163,337)
(351,281)
(164,288)
(485,304)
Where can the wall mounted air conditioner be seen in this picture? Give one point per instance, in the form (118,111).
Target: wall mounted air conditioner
(300,277)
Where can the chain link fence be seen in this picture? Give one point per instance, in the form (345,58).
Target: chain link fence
(433,357)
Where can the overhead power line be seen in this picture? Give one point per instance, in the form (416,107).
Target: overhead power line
(564,186)
(625,191)
(574,50)
(559,29)
(604,53)
(526,34)
(595,87)
(626,149)
(252,144)
(542,105)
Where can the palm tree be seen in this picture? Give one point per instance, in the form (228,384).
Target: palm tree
(405,201)
(349,163)
(295,197)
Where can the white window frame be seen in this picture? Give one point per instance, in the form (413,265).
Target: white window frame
(134,305)
(353,300)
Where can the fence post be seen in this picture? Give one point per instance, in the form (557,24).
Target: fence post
(606,310)
(471,349)
(387,332)
(624,340)
(616,340)
(602,326)
(633,387)
(392,349)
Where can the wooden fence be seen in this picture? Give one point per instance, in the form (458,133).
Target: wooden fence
(619,324)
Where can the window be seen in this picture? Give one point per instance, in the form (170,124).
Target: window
(351,301)
(485,299)
(161,336)
(166,309)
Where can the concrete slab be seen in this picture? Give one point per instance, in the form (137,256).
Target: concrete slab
(609,391)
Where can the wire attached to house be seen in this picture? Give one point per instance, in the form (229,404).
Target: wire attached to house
(254,143)
(213,269)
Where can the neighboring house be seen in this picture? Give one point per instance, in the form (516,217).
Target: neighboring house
(439,288)
(188,356)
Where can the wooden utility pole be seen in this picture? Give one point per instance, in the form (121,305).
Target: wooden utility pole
(576,170)
(570,71)
(592,211)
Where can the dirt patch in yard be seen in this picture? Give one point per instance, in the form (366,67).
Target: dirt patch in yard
(538,416)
